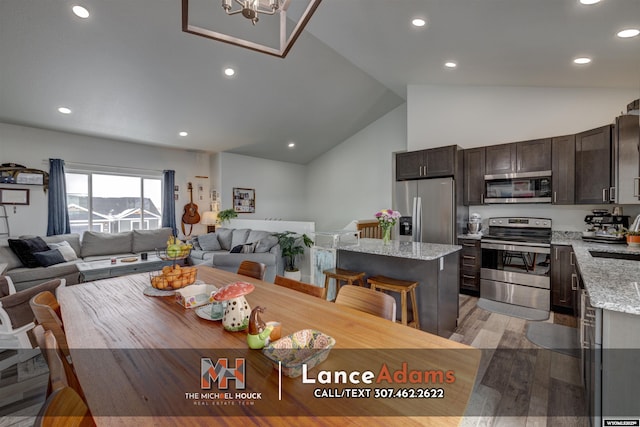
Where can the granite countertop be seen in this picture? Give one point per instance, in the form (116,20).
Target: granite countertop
(612,284)
(410,250)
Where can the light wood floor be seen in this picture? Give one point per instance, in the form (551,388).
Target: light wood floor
(533,386)
(530,385)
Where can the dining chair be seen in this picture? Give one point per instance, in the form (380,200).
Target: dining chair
(64,408)
(47,311)
(367,300)
(252,269)
(16,316)
(61,374)
(305,288)
(369,228)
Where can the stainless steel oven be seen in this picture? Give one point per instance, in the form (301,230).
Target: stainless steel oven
(516,262)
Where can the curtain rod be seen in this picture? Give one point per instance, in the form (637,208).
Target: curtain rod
(109,167)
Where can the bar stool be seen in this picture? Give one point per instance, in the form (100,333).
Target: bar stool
(342,275)
(403,287)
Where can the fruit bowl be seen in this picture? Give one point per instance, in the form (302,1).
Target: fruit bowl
(173,277)
(173,254)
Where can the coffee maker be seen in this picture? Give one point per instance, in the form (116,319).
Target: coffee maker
(604,227)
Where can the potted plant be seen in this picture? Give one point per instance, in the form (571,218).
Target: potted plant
(292,246)
(633,238)
(226,215)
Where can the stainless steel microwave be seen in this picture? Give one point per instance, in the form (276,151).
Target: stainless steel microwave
(526,187)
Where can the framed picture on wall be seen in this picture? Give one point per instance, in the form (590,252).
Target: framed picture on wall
(11,196)
(244,200)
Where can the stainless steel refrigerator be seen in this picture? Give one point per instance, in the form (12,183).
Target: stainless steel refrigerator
(429,210)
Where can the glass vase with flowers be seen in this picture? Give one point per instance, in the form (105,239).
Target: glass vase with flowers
(387,218)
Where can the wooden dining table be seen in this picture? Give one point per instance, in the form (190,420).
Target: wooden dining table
(142,359)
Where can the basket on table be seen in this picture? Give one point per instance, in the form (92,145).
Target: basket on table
(174,255)
(173,277)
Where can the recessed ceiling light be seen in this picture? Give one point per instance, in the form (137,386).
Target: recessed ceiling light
(589,1)
(80,11)
(582,60)
(629,32)
(183,133)
(229,72)
(418,22)
(450,64)
(291,144)
(64,110)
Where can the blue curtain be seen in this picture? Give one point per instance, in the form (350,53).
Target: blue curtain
(58,218)
(168,202)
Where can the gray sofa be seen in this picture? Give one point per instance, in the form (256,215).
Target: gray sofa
(93,246)
(214,249)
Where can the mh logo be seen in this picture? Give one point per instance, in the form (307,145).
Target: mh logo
(222,373)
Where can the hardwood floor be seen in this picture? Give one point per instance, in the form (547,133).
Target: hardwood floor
(518,383)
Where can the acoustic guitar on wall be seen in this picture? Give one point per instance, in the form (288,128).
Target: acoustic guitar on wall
(190,215)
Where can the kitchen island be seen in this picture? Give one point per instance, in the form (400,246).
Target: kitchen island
(434,266)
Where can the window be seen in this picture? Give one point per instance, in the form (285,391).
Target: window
(113,203)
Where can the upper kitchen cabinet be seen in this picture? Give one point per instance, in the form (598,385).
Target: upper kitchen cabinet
(474,171)
(563,169)
(593,166)
(626,154)
(432,163)
(525,156)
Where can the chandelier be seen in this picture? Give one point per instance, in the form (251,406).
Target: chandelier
(288,20)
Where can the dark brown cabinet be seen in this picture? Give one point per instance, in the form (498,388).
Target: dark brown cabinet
(432,163)
(593,166)
(470,262)
(525,156)
(474,167)
(563,169)
(564,280)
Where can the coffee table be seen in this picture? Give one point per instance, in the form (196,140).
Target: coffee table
(104,269)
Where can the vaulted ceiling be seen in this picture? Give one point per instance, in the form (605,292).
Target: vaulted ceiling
(128,72)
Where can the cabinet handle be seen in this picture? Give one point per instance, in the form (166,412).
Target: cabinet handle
(519,164)
(468,257)
(574,279)
(466,276)
(612,194)
(482,198)
(555,197)
(636,187)
(572,258)
(604,195)
(556,253)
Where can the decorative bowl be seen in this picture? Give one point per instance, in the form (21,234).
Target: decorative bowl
(306,347)
(195,295)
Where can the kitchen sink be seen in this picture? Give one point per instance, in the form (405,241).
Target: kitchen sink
(616,255)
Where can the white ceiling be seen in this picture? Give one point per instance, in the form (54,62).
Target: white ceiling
(130,73)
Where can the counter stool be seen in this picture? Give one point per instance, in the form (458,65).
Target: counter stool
(342,275)
(403,287)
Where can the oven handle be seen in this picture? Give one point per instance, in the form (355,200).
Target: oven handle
(540,248)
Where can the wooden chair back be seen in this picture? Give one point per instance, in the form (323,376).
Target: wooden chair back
(252,269)
(61,373)
(47,311)
(64,408)
(305,288)
(370,229)
(367,300)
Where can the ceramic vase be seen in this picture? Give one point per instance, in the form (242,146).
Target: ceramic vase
(236,315)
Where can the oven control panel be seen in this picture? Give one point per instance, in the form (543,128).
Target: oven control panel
(520,222)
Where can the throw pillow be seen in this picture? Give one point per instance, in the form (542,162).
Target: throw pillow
(224,237)
(195,243)
(265,244)
(65,249)
(50,257)
(239,237)
(247,248)
(209,242)
(25,248)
